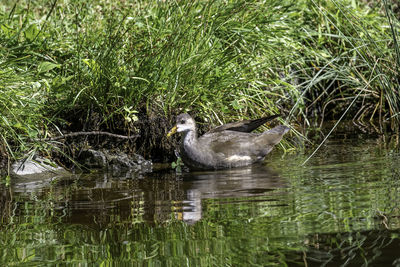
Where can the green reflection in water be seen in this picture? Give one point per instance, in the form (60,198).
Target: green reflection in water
(341,208)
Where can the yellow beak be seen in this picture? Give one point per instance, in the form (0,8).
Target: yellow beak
(172,131)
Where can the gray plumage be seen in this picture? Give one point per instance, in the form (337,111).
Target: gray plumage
(227,146)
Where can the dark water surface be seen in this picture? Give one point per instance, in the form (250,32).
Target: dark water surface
(342,207)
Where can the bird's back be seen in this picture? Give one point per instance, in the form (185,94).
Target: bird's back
(233,149)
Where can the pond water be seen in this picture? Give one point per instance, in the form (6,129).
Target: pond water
(340,208)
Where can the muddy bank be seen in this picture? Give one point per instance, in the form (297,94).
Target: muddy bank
(145,137)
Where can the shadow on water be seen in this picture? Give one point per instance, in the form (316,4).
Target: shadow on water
(341,208)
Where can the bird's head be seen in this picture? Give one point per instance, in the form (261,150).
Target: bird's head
(184,123)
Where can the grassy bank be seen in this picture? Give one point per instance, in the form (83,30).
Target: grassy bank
(130,66)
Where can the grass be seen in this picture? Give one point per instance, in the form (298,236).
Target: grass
(102,65)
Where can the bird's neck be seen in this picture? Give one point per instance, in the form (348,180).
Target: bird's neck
(192,153)
(189,138)
(189,145)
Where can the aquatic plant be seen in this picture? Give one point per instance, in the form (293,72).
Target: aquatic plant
(115,66)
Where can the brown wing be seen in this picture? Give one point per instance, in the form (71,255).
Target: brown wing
(245,126)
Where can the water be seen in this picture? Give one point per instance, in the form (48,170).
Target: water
(342,207)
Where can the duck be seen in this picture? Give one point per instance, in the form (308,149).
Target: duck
(227,146)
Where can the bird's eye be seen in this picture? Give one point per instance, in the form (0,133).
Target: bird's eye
(182,122)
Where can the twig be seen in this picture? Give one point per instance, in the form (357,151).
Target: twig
(87,133)
(333,128)
(344,113)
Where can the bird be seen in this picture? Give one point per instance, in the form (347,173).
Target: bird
(227,146)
